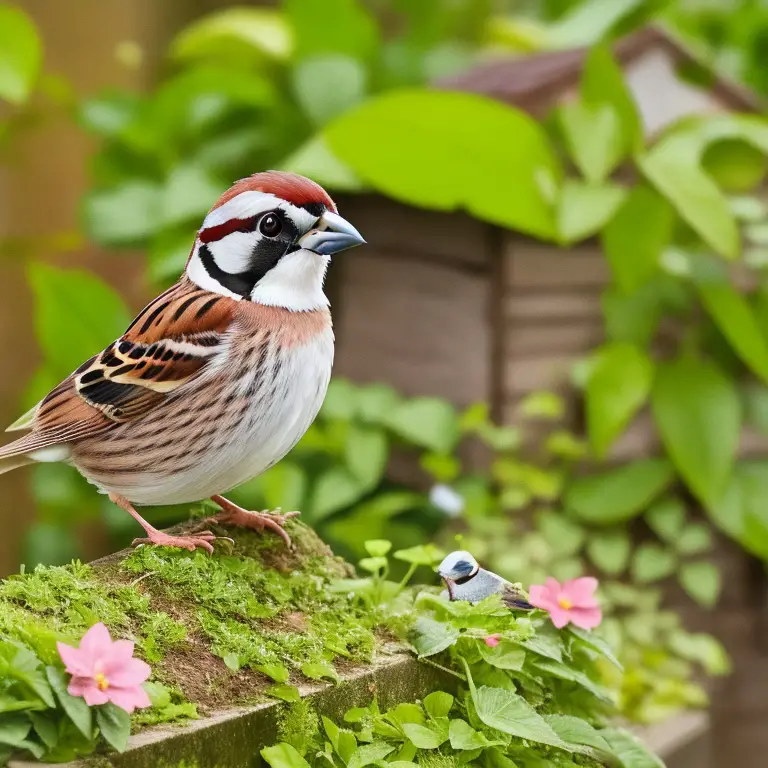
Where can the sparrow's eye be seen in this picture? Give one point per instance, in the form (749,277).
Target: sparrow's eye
(270,225)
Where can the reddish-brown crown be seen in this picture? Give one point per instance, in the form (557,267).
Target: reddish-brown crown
(291,187)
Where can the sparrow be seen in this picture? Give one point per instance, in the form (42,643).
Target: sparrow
(466,580)
(219,376)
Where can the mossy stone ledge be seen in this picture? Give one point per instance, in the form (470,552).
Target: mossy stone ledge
(225,633)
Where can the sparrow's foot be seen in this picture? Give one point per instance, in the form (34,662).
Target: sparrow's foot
(234,515)
(203,540)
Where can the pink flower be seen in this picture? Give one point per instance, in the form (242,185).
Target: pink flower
(573,601)
(492,640)
(103,670)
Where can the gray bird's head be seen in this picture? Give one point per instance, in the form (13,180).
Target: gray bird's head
(457,568)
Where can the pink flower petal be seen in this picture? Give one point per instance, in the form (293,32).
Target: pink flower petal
(581,592)
(560,617)
(586,618)
(553,586)
(540,597)
(93,696)
(119,652)
(492,640)
(131,673)
(96,642)
(75,662)
(129,698)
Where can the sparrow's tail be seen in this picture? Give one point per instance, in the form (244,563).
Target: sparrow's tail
(514,600)
(8,463)
(16,454)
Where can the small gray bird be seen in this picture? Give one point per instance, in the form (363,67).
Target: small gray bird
(466,580)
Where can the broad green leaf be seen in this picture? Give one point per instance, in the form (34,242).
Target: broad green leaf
(505,655)
(702,581)
(342,27)
(438,703)
(734,164)
(602,82)
(124,215)
(618,494)
(464,737)
(632,318)
(328,85)
(694,539)
(187,195)
(76,708)
(542,405)
(283,755)
(430,637)
(318,671)
(596,643)
(609,550)
(673,167)
(703,649)
(277,671)
(574,730)
(652,563)
(585,207)
(114,724)
(421,554)
(378,547)
(424,736)
(334,490)
(510,713)
(666,518)
(563,535)
(284,692)
(366,454)
(340,400)
(76,315)
(108,113)
(488,143)
(636,236)
(14,729)
(262,31)
(617,387)
(20,54)
(735,319)
(588,22)
(370,754)
(629,749)
(593,137)
(428,422)
(567,672)
(284,486)
(316,160)
(698,414)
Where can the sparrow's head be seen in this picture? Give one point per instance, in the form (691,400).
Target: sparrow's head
(457,568)
(269,239)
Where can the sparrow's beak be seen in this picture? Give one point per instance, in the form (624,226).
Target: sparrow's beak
(448,586)
(332,234)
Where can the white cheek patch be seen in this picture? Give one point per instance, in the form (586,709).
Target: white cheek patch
(295,283)
(233,253)
(198,274)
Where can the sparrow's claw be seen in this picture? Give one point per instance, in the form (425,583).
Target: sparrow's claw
(203,540)
(234,515)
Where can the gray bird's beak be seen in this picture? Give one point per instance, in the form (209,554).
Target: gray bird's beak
(332,235)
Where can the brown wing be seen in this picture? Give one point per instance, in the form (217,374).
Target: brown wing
(170,342)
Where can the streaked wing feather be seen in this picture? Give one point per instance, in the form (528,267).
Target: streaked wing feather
(513,598)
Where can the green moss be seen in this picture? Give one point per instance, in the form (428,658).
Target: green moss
(299,726)
(215,629)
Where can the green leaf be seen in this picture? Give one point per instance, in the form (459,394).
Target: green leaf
(283,755)
(14,729)
(370,754)
(377,547)
(618,494)
(430,637)
(187,195)
(428,422)
(593,137)
(328,85)
(629,749)
(609,550)
(673,167)
(340,400)
(464,737)
(588,22)
(76,708)
(261,31)
(488,143)
(637,235)
(652,563)
(284,486)
(332,26)
(574,730)
(335,489)
(421,554)
(694,539)
(125,215)
(698,414)
(702,581)
(734,317)
(20,54)
(366,453)
(505,655)
(596,643)
(438,703)
(585,207)
(76,315)
(318,671)
(542,405)
(285,692)
(564,536)
(565,672)
(666,519)
(617,387)
(114,724)
(633,317)
(315,160)
(277,671)
(510,713)
(424,736)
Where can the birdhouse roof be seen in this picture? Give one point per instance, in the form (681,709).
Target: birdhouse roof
(537,83)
